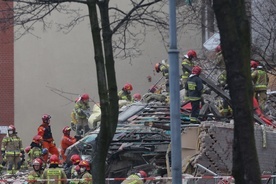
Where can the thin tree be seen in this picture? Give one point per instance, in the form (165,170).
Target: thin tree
(234,28)
(27,13)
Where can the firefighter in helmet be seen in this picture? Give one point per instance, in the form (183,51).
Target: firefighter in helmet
(44,130)
(83,171)
(137,178)
(54,172)
(187,60)
(137,97)
(66,141)
(37,171)
(194,90)
(12,151)
(36,148)
(82,109)
(164,68)
(125,93)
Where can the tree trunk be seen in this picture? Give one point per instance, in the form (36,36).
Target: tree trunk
(234,30)
(107,87)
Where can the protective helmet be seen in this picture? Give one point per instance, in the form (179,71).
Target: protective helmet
(137,97)
(191,54)
(75,159)
(11,128)
(128,87)
(218,48)
(143,174)
(46,118)
(44,151)
(157,67)
(85,164)
(196,70)
(66,130)
(254,64)
(37,161)
(27,149)
(37,139)
(85,96)
(54,159)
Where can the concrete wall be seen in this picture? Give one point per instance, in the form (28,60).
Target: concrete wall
(66,62)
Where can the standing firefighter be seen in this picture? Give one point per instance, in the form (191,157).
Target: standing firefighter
(82,110)
(44,130)
(66,141)
(160,67)
(260,80)
(12,150)
(54,172)
(125,93)
(136,178)
(188,60)
(194,89)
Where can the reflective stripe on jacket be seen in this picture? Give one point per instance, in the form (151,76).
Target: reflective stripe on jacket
(194,87)
(186,74)
(260,80)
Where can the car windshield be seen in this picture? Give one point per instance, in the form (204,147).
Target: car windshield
(89,138)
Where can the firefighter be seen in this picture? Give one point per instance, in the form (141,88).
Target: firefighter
(75,159)
(194,89)
(164,68)
(82,110)
(224,109)
(37,172)
(83,171)
(44,130)
(12,151)
(66,141)
(253,65)
(136,97)
(188,60)
(36,148)
(54,172)
(125,93)
(136,178)
(260,80)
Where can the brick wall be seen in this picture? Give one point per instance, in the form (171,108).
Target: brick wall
(6,73)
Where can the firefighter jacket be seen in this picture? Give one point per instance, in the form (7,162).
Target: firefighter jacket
(12,145)
(194,87)
(35,152)
(133,179)
(124,95)
(260,79)
(81,108)
(33,176)
(67,141)
(44,130)
(54,173)
(85,178)
(186,73)
(165,70)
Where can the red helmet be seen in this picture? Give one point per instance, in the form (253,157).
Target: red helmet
(66,130)
(137,97)
(37,139)
(54,159)
(218,48)
(75,159)
(157,67)
(46,118)
(128,87)
(27,149)
(196,70)
(11,127)
(254,64)
(37,161)
(143,174)
(85,164)
(191,54)
(85,96)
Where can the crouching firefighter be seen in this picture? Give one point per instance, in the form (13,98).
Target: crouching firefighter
(12,151)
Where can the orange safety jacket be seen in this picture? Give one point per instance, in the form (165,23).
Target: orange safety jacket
(44,130)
